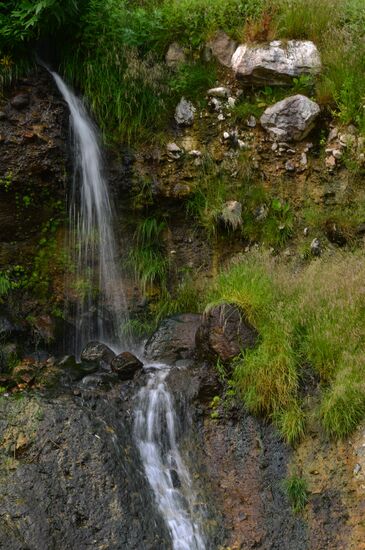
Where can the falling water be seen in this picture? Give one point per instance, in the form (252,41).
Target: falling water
(101,305)
(155,433)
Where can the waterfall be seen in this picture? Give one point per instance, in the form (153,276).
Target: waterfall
(155,432)
(97,284)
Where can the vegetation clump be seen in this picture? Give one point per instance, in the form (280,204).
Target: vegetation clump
(311,319)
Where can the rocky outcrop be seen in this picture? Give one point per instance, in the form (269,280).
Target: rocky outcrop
(275,63)
(174,339)
(290,119)
(126,365)
(224,333)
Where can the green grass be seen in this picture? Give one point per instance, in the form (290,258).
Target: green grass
(296,489)
(339,32)
(313,317)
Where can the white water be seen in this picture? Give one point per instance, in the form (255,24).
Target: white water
(101,307)
(155,432)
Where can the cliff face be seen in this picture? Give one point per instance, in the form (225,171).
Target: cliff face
(70,474)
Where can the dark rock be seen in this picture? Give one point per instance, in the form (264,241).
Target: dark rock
(97,353)
(224,333)
(6,327)
(125,365)
(20,101)
(2,115)
(174,339)
(8,355)
(335,234)
(76,371)
(100,380)
(209,385)
(175,479)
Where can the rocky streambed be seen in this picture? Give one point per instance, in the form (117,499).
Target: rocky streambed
(72,476)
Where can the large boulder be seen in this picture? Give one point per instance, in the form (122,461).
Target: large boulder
(224,333)
(222,47)
(126,365)
(174,339)
(275,63)
(290,119)
(97,354)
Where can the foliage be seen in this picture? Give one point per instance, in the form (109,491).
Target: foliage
(147,256)
(297,490)
(315,317)
(192,80)
(5,284)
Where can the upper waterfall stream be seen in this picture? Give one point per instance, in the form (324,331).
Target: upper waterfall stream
(101,308)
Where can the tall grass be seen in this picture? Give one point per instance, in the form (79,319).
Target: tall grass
(338,28)
(316,318)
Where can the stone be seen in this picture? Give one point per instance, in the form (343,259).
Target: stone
(20,101)
(174,339)
(337,154)
(290,119)
(6,327)
(231,214)
(224,333)
(175,56)
(275,63)
(98,354)
(251,121)
(2,115)
(290,166)
(303,159)
(221,91)
(316,247)
(333,134)
(222,48)
(231,102)
(221,117)
(334,233)
(174,151)
(185,113)
(126,365)
(195,153)
(215,104)
(330,162)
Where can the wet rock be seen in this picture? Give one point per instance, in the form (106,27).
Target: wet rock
(176,483)
(20,101)
(126,365)
(275,63)
(231,214)
(8,355)
(222,48)
(290,119)
(224,333)
(175,56)
(221,91)
(74,371)
(100,380)
(185,113)
(174,339)
(98,354)
(209,385)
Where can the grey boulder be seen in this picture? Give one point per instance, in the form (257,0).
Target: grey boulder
(275,63)
(185,112)
(290,119)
